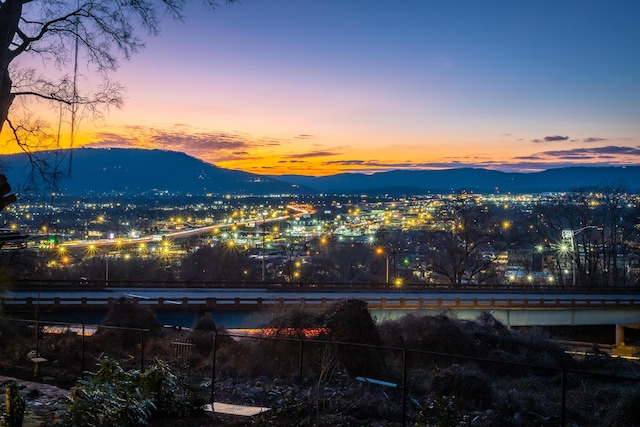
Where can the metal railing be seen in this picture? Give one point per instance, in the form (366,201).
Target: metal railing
(296,347)
(10,304)
(311,286)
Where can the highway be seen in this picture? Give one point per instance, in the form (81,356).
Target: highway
(299,212)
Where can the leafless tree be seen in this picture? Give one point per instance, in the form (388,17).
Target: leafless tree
(463,251)
(603,224)
(42,43)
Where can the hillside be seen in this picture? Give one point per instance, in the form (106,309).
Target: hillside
(90,171)
(472,180)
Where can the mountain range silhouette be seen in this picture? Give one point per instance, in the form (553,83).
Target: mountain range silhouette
(98,171)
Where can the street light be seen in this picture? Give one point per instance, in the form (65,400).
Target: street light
(568,239)
(381,251)
(394,251)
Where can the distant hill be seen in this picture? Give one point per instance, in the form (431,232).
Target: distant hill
(472,180)
(93,171)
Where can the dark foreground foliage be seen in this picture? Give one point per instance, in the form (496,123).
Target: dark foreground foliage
(332,368)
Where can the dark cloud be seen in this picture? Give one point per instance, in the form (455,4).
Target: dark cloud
(594,152)
(594,139)
(311,154)
(555,138)
(346,162)
(595,156)
(529,158)
(304,136)
(378,165)
(551,138)
(611,155)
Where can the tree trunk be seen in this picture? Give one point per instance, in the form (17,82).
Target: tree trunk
(10,13)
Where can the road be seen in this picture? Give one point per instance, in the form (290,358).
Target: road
(299,212)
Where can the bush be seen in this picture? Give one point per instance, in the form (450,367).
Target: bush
(439,334)
(349,321)
(116,397)
(203,332)
(470,389)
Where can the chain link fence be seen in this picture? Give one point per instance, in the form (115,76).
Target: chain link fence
(304,374)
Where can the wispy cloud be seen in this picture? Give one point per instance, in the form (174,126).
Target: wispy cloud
(594,139)
(209,146)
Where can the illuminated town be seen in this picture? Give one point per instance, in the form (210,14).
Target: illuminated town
(465,239)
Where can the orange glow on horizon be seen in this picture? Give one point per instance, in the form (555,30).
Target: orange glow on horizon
(312,156)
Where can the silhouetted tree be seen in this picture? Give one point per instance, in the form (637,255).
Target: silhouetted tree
(221,262)
(464,250)
(60,34)
(603,223)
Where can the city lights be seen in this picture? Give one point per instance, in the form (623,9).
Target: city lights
(417,237)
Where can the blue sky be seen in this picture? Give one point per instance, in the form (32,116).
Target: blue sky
(318,87)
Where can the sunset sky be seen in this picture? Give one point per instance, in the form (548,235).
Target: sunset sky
(317,87)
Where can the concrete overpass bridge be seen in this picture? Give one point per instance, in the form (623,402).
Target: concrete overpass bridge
(511,308)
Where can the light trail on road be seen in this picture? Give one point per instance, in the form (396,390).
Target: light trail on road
(300,212)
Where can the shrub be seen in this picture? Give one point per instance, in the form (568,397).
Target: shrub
(110,397)
(439,334)
(203,332)
(15,406)
(117,397)
(125,314)
(471,389)
(349,321)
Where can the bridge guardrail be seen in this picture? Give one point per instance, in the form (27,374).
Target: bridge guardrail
(237,303)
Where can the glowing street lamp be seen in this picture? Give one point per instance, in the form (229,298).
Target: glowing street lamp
(394,251)
(380,251)
(569,244)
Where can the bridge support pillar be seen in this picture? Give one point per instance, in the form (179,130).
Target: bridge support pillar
(619,335)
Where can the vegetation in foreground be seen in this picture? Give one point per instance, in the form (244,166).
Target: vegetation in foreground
(457,373)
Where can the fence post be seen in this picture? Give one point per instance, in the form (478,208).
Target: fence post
(83,350)
(301,358)
(37,338)
(563,393)
(141,350)
(404,384)
(213,365)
